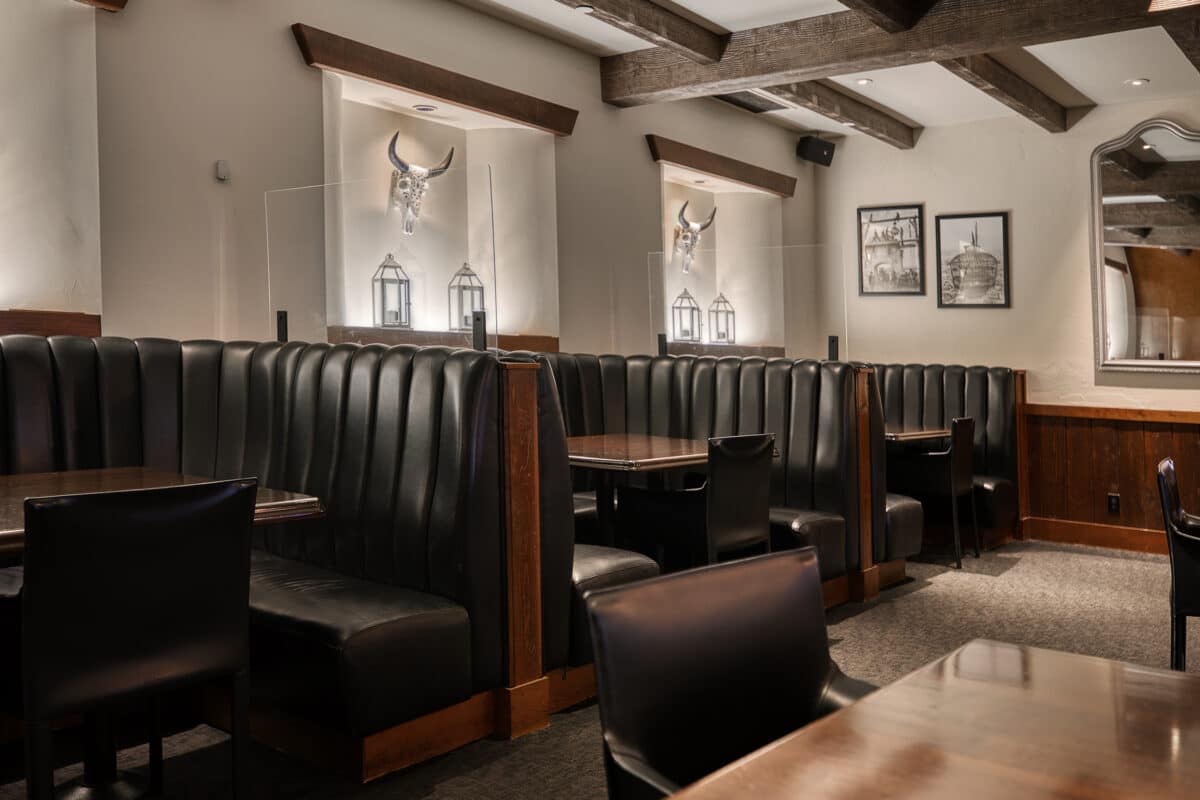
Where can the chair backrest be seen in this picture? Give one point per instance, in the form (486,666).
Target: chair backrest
(1184,551)
(131,591)
(962,432)
(698,668)
(738,493)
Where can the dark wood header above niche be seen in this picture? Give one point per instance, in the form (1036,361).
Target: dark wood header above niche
(329,51)
(667,151)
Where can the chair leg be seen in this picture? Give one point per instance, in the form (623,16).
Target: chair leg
(975,522)
(957,536)
(240,730)
(156,749)
(39,760)
(1179,642)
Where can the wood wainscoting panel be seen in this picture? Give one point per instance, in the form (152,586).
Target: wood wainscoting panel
(48,323)
(535,342)
(1076,461)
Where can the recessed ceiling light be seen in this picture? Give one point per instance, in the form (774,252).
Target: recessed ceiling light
(1147,146)
(849,124)
(701,181)
(1138,82)
(584,8)
(864,81)
(425,108)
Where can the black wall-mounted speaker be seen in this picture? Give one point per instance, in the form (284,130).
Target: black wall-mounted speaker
(815,150)
(833,348)
(479,330)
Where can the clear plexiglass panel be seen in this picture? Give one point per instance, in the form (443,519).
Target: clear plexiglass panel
(360,261)
(741,301)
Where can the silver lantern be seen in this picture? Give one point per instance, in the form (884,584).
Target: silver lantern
(685,318)
(391,295)
(722,321)
(466,297)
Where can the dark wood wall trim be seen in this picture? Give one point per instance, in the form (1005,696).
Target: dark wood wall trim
(48,323)
(340,334)
(668,151)
(721,350)
(105,5)
(339,54)
(1077,456)
(864,584)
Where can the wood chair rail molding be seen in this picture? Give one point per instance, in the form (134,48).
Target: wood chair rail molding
(668,151)
(329,51)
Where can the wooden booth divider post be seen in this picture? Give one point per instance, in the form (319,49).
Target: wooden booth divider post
(864,583)
(1021,390)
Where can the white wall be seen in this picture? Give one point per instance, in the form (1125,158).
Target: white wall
(49,187)
(182,84)
(750,265)
(996,165)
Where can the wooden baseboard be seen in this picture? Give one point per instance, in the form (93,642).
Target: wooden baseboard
(570,687)
(1117,537)
(836,591)
(864,584)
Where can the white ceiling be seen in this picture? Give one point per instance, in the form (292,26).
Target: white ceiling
(389,98)
(705,182)
(1170,147)
(1095,68)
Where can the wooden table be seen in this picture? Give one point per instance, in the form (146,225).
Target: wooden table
(991,720)
(926,435)
(629,452)
(271,505)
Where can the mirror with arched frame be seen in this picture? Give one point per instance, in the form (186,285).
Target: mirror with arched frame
(1146,249)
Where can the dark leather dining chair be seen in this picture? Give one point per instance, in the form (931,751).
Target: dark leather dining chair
(127,595)
(697,669)
(944,473)
(1183,546)
(728,514)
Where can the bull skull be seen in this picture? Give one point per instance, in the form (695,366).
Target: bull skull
(409,184)
(687,236)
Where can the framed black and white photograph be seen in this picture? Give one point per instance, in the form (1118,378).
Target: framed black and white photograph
(891,250)
(972,260)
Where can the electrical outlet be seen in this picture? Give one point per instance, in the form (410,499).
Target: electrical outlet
(1114,503)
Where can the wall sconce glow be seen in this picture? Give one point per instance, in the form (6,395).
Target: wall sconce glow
(465,298)
(1138,82)
(722,321)
(391,295)
(685,318)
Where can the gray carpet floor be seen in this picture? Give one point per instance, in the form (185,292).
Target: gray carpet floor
(1083,600)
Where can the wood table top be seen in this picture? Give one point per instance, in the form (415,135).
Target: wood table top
(632,452)
(271,505)
(991,720)
(917,436)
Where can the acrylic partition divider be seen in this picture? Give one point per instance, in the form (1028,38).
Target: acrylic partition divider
(385,259)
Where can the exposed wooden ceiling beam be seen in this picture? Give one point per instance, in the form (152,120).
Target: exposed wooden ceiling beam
(659,26)
(845,42)
(1128,164)
(1182,238)
(1149,215)
(1171,178)
(891,15)
(1187,36)
(1001,83)
(841,107)
(105,5)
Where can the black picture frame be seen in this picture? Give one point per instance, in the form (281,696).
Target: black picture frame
(871,220)
(947,290)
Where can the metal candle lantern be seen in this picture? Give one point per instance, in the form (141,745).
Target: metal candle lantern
(722,321)
(391,295)
(685,318)
(466,297)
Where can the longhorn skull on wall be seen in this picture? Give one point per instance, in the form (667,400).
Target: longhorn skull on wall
(410,183)
(687,236)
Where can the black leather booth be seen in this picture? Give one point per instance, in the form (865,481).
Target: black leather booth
(919,396)
(391,606)
(809,406)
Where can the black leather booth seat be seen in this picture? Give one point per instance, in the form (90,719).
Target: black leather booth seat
(391,606)
(931,395)
(808,405)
